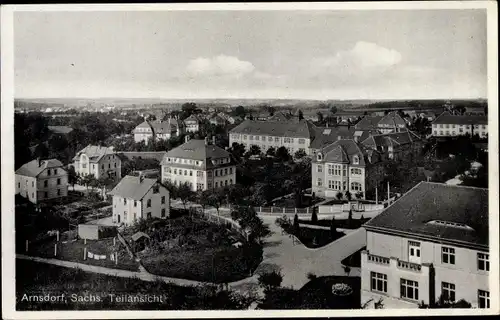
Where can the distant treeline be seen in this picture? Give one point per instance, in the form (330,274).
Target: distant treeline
(422,104)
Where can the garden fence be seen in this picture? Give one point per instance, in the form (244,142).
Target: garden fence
(230,224)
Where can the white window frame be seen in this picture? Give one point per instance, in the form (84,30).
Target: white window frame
(448,255)
(378,282)
(409,286)
(483,295)
(484,259)
(448,291)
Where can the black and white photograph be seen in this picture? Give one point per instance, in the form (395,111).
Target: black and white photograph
(265,159)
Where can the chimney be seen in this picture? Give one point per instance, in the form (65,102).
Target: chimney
(213,140)
(38,161)
(141,177)
(186,138)
(206,141)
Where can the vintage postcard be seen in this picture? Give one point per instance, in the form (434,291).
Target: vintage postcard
(249,159)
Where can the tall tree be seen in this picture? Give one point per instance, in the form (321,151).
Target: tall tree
(185,193)
(314,216)
(296,225)
(333,228)
(301,115)
(320,117)
(72,176)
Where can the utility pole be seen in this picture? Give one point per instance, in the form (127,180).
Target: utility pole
(388,193)
(376,195)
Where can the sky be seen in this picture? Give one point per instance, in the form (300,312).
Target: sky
(390,54)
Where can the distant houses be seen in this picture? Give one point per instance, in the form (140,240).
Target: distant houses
(200,164)
(192,123)
(40,180)
(137,197)
(391,122)
(99,161)
(157,129)
(448,125)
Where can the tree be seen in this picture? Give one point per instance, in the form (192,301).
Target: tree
(282,154)
(248,220)
(41,151)
(314,216)
(103,182)
(300,154)
(72,176)
(237,150)
(216,198)
(254,150)
(359,195)
(339,195)
(349,219)
(321,118)
(333,228)
(348,195)
(271,152)
(270,280)
(296,225)
(333,110)
(301,115)
(239,111)
(443,303)
(185,193)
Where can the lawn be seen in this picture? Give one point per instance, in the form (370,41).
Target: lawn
(74,250)
(42,279)
(339,223)
(316,238)
(316,294)
(193,248)
(354,260)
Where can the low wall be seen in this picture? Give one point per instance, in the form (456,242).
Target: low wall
(356,207)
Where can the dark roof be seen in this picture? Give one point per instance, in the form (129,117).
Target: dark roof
(393,138)
(280,116)
(324,136)
(299,129)
(368,122)
(95,153)
(447,118)
(159,126)
(60,129)
(136,236)
(343,151)
(130,155)
(192,118)
(131,187)
(393,119)
(196,150)
(430,201)
(33,168)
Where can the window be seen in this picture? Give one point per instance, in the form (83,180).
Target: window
(286,140)
(231,181)
(257,138)
(32,183)
(32,194)
(225,171)
(58,192)
(58,181)
(191,173)
(319,156)
(356,186)
(163,213)
(124,201)
(185,172)
(244,137)
(109,165)
(19,184)
(231,170)
(355,160)
(270,139)
(55,171)
(483,299)
(48,172)
(175,171)
(320,168)
(115,164)
(355,171)
(302,141)
(250,137)
(148,203)
(276,139)
(216,172)
(102,166)
(448,291)
(414,251)
(84,165)
(378,282)
(483,261)
(447,255)
(135,203)
(163,200)
(409,289)
(199,186)
(46,183)
(216,184)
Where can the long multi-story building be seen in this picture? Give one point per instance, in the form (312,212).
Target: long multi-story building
(431,243)
(292,134)
(344,166)
(158,129)
(202,165)
(40,180)
(137,197)
(448,125)
(99,161)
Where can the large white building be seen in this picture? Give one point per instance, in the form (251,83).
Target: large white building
(293,134)
(158,129)
(99,161)
(40,180)
(202,165)
(430,243)
(137,198)
(448,125)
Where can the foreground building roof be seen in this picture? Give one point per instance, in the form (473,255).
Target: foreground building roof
(448,118)
(35,167)
(196,150)
(95,153)
(159,126)
(438,212)
(391,139)
(132,187)
(293,129)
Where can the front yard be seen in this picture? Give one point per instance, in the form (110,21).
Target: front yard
(193,248)
(317,238)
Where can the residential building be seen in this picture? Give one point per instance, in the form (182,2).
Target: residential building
(99,161)
(217,120)
(391,122)
(202,165)
(432,241)
(157,129)
(448,125)
(325,136)
(192,123)
(40,180)
(396,145)
(293,134)
(139,197)
(344,166)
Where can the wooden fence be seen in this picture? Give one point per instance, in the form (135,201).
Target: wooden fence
(226,222)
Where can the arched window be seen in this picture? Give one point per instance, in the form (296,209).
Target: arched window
(319,156)
(355,160)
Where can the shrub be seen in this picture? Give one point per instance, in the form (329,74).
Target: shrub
(314,216)
(270,280)
(311,276)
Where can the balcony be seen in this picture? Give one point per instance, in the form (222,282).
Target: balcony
(378,259)
(409,266)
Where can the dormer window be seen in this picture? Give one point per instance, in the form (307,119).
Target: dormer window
(355,160)
(319,156)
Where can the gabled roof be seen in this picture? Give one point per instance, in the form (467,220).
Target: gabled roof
(343,151)
(280,116)
(368,122)
(136,236)
(447,118)
(392,119)
(131,187)
(159,126)
(324,136)
(95,153)
(196,150)
(394,138)
(299,129)
(192,118)
(34,168)
(414,212)
(130,155)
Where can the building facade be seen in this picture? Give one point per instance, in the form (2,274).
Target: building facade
(293,135)
(448,125)
(343,166)
(431,243)
(201,165)
(396,145)
(40,180)
(192,123)
(158,129)
(98,161)
(137,197)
